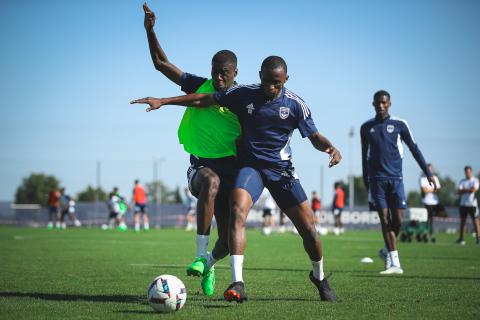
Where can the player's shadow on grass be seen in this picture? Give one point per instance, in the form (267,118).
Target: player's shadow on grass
(75,297)
(218,301)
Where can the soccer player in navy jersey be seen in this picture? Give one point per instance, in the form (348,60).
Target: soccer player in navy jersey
(268,113)
(382,153)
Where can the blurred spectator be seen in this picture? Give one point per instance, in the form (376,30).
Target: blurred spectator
(53,209)
(139,201)
(191,204)
(468,204)
(430,200)
(337,208)
(67,205)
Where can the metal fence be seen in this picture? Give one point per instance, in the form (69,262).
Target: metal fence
(173,215)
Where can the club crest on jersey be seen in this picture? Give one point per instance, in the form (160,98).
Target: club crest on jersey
(284,112)
(390,128)
(372,130)
(250,108)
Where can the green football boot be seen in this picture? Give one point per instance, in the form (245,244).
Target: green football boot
(208,281)
(197,268)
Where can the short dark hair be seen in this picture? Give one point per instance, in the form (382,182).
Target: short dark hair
(225,57)
(274,62)
(467,167)
(136,181)
(380,93)
(337,184)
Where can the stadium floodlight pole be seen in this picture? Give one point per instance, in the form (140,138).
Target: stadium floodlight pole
(351,180)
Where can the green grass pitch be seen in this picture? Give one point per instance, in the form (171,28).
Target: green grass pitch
(94,274)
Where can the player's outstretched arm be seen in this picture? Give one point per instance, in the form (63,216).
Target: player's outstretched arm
(406,136)
(323,144)
(159,58)
(196,100)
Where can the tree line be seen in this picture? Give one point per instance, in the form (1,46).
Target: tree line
(35,189)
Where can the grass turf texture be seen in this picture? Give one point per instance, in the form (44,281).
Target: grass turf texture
(89,273)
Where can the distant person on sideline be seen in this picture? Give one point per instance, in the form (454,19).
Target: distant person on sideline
(337,208)
(468,204)
(316,205)
(430,200)
(191,205)
(67,209)
(53,209)
(139,201)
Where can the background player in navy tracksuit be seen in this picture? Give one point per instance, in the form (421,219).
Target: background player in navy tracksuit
(382,153)
(268,113)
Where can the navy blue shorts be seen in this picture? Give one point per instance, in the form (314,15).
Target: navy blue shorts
(337,211)
(140,207)
(285,189)
(388,194)
(226,169)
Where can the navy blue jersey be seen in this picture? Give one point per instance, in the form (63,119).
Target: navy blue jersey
(382,148)
(190,83)
(267,126)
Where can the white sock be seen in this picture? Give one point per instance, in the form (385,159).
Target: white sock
(210,260)
(202,245)
(137,226)
(317,267)
(236,267)
(395,258)
(146,226)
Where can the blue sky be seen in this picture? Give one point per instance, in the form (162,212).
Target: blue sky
(69,68)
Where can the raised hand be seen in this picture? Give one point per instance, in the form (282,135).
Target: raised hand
(149,20)
(154,103)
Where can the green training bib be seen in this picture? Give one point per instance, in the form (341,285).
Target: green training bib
(209,132)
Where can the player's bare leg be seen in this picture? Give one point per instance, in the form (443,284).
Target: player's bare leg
(463,229)
(146,223)
(303,219)
(391,222)
(136,221)
(387,231)
(208,183)
(220,250)
(476,226)
(240,205)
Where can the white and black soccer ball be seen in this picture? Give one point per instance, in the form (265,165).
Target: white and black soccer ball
(166,294)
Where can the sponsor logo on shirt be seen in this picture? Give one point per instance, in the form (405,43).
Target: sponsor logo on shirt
(390,128)
(372,130)
(250,108)
(284,112)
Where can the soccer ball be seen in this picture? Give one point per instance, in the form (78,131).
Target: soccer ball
(166,294)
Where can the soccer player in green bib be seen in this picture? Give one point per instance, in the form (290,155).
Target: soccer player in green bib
(209,135)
